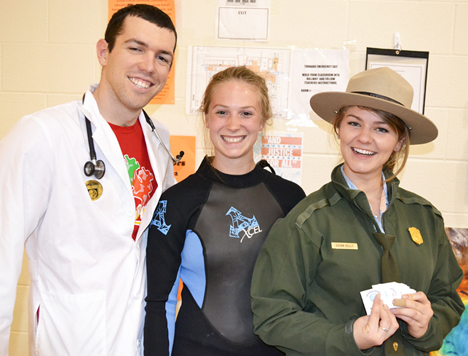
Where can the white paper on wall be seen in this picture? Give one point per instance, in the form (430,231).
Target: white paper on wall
(314,71)
(246,20)
(270,63)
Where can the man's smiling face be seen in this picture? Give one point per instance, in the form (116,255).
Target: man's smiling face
(137,67)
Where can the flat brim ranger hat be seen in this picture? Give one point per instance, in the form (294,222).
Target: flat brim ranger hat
(380,89)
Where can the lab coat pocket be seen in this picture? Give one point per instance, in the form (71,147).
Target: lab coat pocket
(72,325)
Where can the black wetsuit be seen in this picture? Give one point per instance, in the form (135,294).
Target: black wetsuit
(208,229)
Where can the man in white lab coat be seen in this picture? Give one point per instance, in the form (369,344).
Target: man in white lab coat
(84,224)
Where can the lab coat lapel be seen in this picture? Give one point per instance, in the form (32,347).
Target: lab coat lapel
(105,142)
(109,145)
(158,159)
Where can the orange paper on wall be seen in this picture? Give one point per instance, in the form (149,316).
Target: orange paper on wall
(185,167)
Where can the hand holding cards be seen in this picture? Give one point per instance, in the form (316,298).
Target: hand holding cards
(388,292)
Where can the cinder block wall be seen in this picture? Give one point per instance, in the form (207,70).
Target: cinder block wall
(47,57)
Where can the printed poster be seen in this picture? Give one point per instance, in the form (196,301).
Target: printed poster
(283,151)
(167,94)
(272,64)
(314,71)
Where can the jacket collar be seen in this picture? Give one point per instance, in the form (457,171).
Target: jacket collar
(358,197)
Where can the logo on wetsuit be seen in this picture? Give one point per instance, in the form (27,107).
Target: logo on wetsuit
(241,226)
(158,220)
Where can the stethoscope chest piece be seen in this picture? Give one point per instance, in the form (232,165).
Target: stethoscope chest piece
(96,168)
(93,166)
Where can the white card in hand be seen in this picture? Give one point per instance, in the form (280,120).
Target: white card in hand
(388,292)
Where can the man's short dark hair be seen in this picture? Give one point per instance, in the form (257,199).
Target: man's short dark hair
(147,12)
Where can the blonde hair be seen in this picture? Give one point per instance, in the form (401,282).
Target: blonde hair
(241,74)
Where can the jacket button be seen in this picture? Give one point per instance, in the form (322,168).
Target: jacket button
(395,346)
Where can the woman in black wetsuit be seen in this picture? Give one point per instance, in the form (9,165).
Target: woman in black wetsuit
(209,228)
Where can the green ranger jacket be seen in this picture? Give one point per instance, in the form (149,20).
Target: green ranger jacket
(315,262)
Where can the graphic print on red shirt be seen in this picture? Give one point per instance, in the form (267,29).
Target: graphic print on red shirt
(133,146)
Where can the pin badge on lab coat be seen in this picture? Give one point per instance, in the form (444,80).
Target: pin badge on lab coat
(94,189)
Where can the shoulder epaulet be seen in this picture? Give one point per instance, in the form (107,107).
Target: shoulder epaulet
(316,205)
(408,197)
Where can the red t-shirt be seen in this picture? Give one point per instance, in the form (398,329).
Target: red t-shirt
(133,146)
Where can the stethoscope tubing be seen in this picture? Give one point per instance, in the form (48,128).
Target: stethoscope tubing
(153,128)
(97,167)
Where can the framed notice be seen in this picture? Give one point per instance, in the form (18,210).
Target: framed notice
(411,65)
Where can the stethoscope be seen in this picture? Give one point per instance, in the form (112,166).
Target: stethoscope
(98,168)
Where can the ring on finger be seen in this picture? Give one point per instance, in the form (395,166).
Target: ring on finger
(385,329)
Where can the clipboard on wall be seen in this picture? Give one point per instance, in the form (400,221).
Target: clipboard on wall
(411,65)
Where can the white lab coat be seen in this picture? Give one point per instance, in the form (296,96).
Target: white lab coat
(88,276)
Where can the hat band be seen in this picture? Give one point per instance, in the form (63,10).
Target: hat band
(377,96)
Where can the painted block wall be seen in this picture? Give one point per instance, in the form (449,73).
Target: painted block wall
(47,57)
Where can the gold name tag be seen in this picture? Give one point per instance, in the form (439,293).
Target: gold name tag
(344,246)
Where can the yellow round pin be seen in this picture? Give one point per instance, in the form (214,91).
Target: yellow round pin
(94,189)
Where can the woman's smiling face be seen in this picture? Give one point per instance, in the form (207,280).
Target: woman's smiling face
(367,141)
(234,120)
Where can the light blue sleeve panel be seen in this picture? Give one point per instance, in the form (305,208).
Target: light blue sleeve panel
(192,269)
(171,306)
(192,273)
